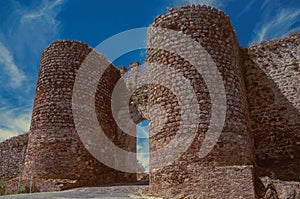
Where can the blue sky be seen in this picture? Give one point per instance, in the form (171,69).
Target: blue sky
(27,27)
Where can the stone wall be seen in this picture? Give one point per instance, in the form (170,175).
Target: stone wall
(139,98)
(272,71)
(212,29)
(261,134)
(279,189)
(55,150)
(12,156)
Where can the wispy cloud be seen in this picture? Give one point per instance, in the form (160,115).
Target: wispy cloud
(247,8)
(16,76)
(37,27)
(265,3)
(280,25)
(47,9)
(24,33)
(144,161)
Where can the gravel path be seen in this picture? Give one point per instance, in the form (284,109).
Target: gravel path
(113,192)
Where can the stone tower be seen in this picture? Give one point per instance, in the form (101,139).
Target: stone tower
(231,160)
(54,148)
(261,133)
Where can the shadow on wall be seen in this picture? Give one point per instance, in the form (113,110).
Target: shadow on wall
(275,124)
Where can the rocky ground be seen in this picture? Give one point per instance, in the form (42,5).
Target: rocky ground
(271,189)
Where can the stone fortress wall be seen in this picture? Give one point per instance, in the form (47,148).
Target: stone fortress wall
(12,155)
(232,155)
(261,135)
(272,76)
(54,148)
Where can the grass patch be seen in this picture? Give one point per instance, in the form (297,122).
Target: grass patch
(2,188)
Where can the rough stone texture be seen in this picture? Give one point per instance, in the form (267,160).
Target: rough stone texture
(212,29)
(272,74)
(14,185)
(139,98)
(54,148)
(12,156)
(260,136)
(212,182)
(278,189)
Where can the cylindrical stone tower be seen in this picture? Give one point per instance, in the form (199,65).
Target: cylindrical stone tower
(226,172)
(55,150)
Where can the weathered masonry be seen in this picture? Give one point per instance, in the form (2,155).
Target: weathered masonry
(261,135)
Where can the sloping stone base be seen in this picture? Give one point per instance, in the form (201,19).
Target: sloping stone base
(211,182)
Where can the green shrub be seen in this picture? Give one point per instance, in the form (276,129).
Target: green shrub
(24,189)
(275,181)
(2,188)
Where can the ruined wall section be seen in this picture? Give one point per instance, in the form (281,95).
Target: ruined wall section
(55,150)
(212,29)
(139,99)
(272,71)
(12,157)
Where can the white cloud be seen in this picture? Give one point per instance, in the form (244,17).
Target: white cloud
(143,158)
(37,27)
(142,131)
(5,134)
(14,122)
(10,68)
(143,146)
(45,15)
(277,26)
(26,31)
(46,9)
